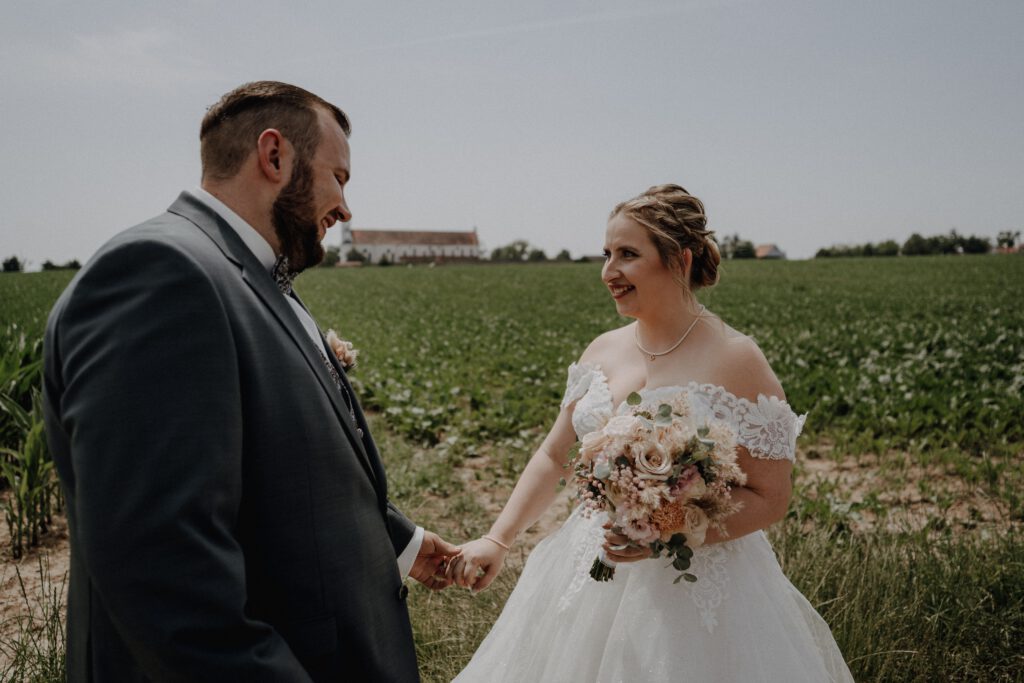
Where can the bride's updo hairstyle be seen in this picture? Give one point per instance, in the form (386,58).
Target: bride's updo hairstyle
(675,220)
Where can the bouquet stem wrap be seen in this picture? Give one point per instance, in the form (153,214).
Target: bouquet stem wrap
(603,568)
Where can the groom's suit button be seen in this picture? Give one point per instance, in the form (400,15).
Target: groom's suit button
(403,591)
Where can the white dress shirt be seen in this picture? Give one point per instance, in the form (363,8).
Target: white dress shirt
(263,252)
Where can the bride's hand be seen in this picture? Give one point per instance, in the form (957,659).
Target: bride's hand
(619,548)
(477,565)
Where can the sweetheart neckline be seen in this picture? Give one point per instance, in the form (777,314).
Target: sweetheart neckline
(703,386)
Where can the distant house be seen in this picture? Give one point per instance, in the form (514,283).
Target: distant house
(769,251)
(411,246)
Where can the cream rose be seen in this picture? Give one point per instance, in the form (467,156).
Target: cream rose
(654,463)
(623,426)
(695,525)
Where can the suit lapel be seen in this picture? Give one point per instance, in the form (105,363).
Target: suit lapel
(263,285)
(368,451)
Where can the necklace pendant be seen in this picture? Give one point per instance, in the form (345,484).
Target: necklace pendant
(653,357)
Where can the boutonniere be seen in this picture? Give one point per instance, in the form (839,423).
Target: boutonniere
(343,350)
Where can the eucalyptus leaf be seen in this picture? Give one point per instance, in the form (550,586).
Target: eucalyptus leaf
(633,399)
(690,578)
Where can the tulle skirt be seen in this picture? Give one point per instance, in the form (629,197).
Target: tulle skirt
(741,621)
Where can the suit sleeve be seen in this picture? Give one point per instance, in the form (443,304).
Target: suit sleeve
(400,528)
(406,539)
(152,406)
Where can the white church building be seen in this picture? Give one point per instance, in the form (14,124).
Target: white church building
(411,246)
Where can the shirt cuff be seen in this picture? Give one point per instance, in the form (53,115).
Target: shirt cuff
(408,556)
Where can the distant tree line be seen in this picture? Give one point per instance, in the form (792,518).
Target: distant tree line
(73,264)
(13,264)
(918,245)
(517,252)
(886,248)
(732,246)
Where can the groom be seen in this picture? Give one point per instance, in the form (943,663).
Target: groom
(227,507)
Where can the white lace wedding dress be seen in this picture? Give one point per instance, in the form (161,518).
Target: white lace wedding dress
(741,621)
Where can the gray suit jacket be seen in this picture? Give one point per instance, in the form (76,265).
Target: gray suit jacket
(227,523)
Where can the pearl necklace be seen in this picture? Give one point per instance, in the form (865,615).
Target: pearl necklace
(652,354)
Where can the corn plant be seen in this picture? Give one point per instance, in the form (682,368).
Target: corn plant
(21,363)
(29,473)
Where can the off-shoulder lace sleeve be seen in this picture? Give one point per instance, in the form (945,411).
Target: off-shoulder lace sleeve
(768,428)
(580,377)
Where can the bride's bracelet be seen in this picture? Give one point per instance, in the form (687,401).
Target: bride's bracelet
(496,542)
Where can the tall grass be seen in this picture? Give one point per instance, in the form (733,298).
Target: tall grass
(914,606)
(33,641)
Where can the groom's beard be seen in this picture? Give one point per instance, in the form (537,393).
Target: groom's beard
(294,220)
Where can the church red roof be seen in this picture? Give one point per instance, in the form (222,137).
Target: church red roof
(418,237)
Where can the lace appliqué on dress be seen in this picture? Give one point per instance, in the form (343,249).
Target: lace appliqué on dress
(708,592)
(585,548)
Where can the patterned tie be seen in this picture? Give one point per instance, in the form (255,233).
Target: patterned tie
(282,275)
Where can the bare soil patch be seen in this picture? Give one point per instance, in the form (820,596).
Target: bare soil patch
(896,492)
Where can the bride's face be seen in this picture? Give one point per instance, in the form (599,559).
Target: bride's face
(633,271)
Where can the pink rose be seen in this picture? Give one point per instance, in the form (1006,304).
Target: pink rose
(641,531)
(688,485)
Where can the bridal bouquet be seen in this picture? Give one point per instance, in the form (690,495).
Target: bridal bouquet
(662,479)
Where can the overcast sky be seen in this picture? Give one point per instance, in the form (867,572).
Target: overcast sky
(801,123)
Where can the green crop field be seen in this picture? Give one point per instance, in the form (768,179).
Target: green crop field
(905,525)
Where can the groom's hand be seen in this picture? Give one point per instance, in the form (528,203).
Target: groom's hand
(429,566)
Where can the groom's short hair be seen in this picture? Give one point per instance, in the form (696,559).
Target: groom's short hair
(232,126)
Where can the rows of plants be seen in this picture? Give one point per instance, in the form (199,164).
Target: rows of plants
(922,354)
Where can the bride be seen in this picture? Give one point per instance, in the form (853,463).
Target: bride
(741,620)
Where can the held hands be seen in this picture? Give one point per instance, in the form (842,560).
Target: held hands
(478,565)
(620,549)
(433,559)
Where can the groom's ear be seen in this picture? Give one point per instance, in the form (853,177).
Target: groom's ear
(270,151)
